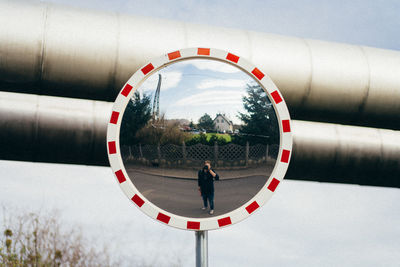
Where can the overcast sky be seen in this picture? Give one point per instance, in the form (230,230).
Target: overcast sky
(304,224)
(365,22)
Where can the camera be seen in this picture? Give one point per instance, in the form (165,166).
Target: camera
(205,168)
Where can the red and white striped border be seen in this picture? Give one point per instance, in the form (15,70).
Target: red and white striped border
(277,175)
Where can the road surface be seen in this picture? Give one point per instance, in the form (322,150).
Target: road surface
(181,196)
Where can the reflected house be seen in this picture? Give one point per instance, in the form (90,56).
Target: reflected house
(223,124)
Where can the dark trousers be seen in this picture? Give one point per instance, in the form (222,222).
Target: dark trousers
(210,198)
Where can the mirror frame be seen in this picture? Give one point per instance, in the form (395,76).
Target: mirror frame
(187,223)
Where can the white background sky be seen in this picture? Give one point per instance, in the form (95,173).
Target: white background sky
(304,224)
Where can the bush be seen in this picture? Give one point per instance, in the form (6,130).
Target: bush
(197,139)
(220,140)
(208,139)
(161,131)
(38,240)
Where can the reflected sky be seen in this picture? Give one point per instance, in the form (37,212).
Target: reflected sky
(201,84)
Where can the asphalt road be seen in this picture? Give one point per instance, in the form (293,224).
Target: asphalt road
(181,196)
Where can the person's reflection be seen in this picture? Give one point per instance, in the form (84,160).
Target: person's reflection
(206,178)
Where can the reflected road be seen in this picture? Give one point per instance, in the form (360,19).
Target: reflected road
(181,196)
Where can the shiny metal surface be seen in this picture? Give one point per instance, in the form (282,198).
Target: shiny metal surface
(201,248)
(63,130)
(53,129)
(84,54)
(346,154)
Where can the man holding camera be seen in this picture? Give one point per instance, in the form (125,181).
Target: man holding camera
(206,178)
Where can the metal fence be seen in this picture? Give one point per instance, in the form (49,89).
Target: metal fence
(229,155)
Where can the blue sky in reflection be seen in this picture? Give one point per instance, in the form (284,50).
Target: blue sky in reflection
(191,88)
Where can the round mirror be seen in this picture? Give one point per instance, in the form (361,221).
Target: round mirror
(199,138)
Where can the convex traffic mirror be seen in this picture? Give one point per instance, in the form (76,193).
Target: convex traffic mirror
(199,138)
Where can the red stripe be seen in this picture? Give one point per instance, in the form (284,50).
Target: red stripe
(193,225)
(252,207)
(285,156)
(258,73)
(137,200)
(224,221)
(286,126)
(163,218)
(274,183)
(112,149)
(149,67)
(232,57)
(203,51)
(114,117)
(120,176)
(277,98)
(174,55)
(127,89)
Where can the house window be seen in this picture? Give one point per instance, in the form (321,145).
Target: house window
(217,120)
(222,120)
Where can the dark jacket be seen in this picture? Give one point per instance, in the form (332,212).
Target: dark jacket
(206,182)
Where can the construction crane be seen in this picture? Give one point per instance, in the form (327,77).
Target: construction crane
(156,100)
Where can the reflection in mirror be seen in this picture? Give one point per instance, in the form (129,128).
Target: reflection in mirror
(199,138)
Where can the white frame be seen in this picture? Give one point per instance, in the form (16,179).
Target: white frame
(187,223)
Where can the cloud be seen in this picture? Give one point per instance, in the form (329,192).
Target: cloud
(211,83)
(212,97)
(168,80)
(214,65)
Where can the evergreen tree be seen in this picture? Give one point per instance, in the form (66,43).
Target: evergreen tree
(260,122)
(206,123)
(191,125)
(137,115)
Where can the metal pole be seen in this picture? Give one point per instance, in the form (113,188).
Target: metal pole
(201,248)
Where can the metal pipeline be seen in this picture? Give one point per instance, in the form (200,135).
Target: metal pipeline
(328,152)
(65,130)
(53,129)
(79,53)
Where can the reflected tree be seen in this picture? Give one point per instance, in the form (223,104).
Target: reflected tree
(206,123)
(137,115)
(260,124)
(161,131)
(192,125)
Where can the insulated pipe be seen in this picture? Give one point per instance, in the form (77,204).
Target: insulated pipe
(53,129)
(65,130)
(79,53)
(328,152)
